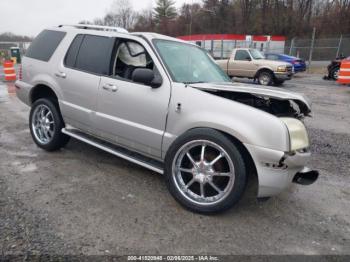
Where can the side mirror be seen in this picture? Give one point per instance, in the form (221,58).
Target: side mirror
(248,58)
(147,77)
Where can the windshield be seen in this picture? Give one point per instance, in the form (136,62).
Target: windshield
(256,54)
(188,63)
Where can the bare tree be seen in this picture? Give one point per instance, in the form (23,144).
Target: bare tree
(121,14)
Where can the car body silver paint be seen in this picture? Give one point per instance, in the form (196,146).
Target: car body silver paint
(151,126)
(266,91)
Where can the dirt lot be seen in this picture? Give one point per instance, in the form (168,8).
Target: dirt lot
(81,200)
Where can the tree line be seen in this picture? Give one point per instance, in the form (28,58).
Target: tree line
(292,18)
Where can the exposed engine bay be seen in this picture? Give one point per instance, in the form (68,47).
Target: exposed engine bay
(274,101)
(277,107)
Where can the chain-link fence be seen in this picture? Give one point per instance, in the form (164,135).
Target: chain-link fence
(319,49)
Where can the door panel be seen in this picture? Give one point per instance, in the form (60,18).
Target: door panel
(79,90)
(78,75)
(240,65)
(134,115)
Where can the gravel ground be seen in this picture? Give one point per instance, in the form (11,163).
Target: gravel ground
(81,200)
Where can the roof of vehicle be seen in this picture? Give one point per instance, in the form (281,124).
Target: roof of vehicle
(112,32)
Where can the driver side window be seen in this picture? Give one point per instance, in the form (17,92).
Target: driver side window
(128,56)
(242,55)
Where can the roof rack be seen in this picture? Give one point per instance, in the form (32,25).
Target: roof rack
(98,27)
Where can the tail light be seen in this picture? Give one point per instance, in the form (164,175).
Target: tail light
(20,73)
(294,61)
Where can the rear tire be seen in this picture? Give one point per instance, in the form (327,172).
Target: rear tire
(208,183)
(265,78)
(45,124)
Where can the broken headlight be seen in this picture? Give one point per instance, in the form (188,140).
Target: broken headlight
(298,136)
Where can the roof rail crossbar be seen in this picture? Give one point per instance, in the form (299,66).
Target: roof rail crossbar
(98,27)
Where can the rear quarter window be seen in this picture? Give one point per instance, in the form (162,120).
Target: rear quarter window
(73,50)
(44,45)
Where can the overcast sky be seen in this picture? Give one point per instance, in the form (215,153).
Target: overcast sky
(29,17)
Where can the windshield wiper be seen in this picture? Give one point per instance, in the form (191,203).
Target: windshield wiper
(194,82)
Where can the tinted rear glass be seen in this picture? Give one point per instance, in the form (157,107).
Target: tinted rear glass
(95,54)
(45,44)
(73,51)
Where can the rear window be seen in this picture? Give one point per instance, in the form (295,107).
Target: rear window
(94,54)
(45,44)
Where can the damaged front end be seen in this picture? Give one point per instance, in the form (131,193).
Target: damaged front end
(271,100)
(276,169)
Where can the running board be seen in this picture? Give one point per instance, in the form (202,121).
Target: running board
(118,151)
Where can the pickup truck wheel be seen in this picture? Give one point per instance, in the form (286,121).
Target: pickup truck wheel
(265,78)
(205,172)
(45,124)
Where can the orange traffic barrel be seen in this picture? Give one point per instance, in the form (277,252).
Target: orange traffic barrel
(9,71)
(344,72)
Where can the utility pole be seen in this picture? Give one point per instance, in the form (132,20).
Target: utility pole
(291,46)
(339,46)
(190,10)
(312,46)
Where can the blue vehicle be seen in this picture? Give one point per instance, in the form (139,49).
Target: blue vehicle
(298,64)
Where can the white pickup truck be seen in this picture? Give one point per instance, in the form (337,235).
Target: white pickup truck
(250,63)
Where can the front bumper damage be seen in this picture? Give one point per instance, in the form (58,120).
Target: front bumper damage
(276,170)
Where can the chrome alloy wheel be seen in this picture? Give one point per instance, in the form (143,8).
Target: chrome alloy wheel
(203,172)
(43,124)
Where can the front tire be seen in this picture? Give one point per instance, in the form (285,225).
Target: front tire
(265,78)
(45,124)
(205,172)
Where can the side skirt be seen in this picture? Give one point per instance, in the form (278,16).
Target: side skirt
(118,151)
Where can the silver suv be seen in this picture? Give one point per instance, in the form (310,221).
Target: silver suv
(164,104)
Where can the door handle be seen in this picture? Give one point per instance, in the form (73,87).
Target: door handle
(110,87)
(61,74)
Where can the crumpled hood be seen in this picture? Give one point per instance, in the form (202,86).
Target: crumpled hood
(270,92)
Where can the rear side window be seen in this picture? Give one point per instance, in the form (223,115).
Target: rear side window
(72,53)
(45,44)
(94,54)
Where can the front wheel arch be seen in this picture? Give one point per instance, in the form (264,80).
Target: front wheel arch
(262,70)
(249,162)
(246,158)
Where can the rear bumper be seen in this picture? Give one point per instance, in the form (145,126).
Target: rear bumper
(298,69)
(277,170)
(23,91)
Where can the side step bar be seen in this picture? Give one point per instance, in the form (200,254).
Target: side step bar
(133,157)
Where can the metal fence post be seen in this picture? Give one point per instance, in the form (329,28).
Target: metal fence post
(222,48)
(291,46)
(312,47)
(339,46)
